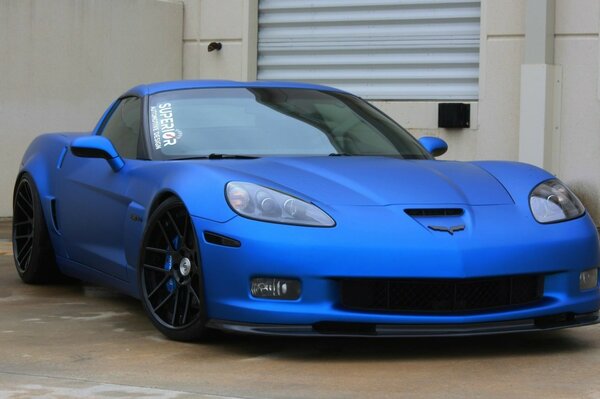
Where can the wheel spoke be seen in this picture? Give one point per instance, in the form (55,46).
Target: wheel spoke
(21,223)
(28,213)
(187,305)
(194,294)
(28,202)
(175,225)
(158,250)
(155,268)
(174,317)
(160,305)
(164,232)
(24,255)
(28,244)
(24,236)
(162,282)
(28,259)
(28,193)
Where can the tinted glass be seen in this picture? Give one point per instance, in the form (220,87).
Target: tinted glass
(123,127)
(272,121)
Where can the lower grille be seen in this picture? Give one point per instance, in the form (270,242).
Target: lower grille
(440,295)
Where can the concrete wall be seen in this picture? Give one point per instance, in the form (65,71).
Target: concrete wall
(69,58)
(233,23)
(64,61)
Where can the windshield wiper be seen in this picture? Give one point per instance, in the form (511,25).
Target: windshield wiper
(340,154)
(216,156)
(400,156)
(230,156)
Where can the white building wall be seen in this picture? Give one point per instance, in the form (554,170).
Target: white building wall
(64,61)
(502,45)
(233,23)
(70,58)
(577,51)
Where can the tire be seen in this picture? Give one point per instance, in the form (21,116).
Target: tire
(170,277)
(32,250)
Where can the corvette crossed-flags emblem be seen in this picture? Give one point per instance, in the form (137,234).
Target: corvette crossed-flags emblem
(451,230)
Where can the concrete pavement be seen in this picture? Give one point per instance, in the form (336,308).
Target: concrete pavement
(76,340)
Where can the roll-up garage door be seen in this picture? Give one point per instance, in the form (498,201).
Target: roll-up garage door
(378,49)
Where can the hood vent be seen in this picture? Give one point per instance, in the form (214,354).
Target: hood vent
(434,212)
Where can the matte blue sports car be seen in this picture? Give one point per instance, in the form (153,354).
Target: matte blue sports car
(296,209)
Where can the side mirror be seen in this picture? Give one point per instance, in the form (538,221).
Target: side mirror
(97,147)
(434,145)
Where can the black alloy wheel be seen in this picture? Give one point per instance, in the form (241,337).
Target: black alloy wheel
(32,249)
(170,273)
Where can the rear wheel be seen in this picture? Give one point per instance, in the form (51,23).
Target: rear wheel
(32,249)
(170,274)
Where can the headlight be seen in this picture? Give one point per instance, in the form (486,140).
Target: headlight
(261,203)
(552,201)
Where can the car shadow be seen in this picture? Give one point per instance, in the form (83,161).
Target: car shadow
(545,343)
(365,349)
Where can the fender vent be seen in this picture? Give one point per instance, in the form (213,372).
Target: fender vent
(54,217)
(435,212)
(218,239)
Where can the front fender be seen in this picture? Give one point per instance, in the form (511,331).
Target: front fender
(42,161)
(516,177)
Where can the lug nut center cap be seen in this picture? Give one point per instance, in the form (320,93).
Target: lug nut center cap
(185,266)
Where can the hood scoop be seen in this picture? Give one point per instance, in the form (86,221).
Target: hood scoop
(449,220)
(416,212)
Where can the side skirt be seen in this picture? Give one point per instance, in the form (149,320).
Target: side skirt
(94,276)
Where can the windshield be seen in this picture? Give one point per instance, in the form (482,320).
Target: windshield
(271,122)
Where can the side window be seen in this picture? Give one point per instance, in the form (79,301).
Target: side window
(123,127)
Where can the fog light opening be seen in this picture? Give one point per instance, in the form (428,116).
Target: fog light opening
(588,279)
(275,288)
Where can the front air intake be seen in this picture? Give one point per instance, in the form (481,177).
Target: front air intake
(441,295)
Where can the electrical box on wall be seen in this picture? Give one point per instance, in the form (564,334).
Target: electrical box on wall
(454,115)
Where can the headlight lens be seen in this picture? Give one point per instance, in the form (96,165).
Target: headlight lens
(552,201)
(261,203)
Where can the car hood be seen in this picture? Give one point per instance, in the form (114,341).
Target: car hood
(372,181)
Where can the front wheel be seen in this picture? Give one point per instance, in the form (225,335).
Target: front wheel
(170,274)
(32,249)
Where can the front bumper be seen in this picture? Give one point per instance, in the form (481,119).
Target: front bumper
(389,244)
(410,330)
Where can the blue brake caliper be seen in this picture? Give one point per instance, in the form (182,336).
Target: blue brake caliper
(169,265)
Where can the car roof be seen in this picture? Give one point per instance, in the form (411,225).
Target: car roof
(146,89)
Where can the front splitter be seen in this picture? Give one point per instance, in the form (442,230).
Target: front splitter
(340,329)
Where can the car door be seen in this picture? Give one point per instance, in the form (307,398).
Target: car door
(92,199)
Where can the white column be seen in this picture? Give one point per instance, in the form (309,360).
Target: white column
(250,40)
(540,88)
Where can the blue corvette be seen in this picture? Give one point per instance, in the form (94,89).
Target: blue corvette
(296,209)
